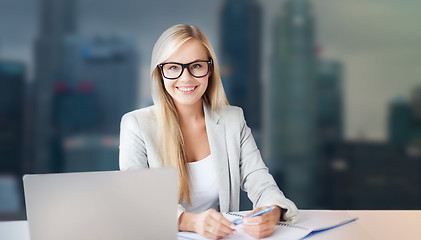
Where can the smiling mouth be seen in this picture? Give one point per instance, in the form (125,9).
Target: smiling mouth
(187,89)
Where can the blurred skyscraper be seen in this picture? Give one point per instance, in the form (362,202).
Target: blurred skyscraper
(399,118)
(329,124)
(405,119)
(110,64)
(416,103)
(102,77)
(57,22)
(84,85)
(74,108)
(329,103)
(293,103)
(241,36)
(12,81)
(89,105)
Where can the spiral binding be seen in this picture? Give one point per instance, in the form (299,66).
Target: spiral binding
(235,214)
(292,226)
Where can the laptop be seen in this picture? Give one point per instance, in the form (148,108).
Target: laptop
(125,205)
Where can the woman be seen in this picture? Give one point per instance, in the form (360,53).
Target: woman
(192,127)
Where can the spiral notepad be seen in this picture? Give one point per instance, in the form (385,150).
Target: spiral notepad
(308,223)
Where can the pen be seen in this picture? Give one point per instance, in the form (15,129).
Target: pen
(261,212)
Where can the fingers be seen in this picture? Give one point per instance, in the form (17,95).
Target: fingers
(258,231)
(214,225)
(256,220)
(263,225)
(218,226)
(225,221)
(272,216)
(258,227)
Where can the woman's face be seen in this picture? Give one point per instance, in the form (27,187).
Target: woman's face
(187,89)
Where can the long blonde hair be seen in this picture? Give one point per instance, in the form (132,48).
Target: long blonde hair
(172,152)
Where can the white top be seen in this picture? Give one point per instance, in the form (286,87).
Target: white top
(204,186)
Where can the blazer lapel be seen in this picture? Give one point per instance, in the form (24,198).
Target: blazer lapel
(218,148)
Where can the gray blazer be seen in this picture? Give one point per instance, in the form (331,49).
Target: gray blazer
(231,143)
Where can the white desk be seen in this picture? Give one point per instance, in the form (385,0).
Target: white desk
(377,225)
(371,225)
(14,230)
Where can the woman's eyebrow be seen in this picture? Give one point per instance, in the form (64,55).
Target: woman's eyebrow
(199,59)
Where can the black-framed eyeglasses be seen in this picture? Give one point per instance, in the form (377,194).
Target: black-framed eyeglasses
(173,70)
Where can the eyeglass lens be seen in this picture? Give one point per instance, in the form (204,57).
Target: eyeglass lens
(174,70)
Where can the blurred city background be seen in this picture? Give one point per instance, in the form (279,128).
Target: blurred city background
(330,88)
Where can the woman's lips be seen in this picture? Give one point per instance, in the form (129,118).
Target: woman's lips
(187,90)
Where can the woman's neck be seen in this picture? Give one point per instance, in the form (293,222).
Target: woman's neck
(190,113)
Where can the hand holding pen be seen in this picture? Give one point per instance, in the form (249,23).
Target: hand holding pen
(255,214)
(261,221)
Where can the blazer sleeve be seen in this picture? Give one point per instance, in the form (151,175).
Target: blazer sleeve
(256,180)
(133,153)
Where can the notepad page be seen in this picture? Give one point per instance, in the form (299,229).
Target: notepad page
(311,221)
(321,219)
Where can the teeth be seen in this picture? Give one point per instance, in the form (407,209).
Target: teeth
(186,89)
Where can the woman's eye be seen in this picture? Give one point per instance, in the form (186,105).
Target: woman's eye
(196,66)
(173,67)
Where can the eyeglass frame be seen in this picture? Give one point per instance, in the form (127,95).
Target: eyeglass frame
(183,66)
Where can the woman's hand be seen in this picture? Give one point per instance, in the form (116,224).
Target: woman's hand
(210,224)
(261,226)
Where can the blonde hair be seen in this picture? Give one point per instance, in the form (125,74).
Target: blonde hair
(172,152)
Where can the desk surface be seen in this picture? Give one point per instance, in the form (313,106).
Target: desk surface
(371,225)
(377,225)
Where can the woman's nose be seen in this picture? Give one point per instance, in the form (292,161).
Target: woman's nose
(185,75)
